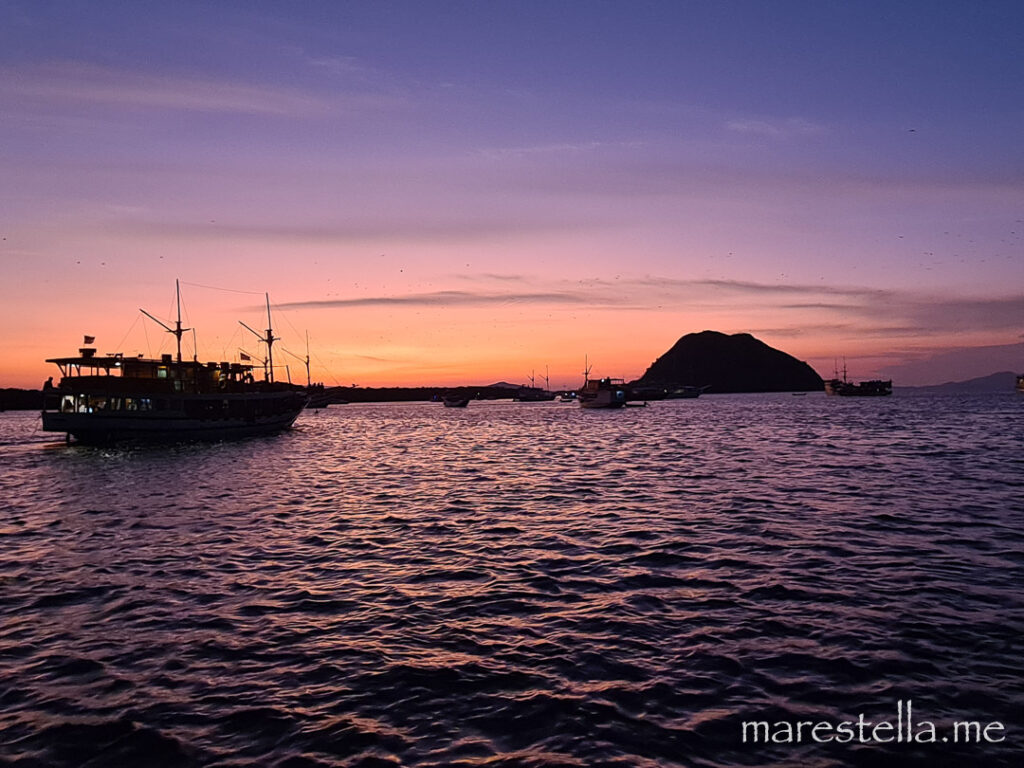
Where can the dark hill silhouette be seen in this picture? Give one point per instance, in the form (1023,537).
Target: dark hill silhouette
(737,363)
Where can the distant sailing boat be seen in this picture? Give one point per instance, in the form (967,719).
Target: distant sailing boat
(845,388)
(533,393)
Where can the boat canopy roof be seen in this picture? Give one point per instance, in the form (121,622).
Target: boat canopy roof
(87,359)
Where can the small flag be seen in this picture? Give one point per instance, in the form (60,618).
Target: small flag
(89,339)
(244,356)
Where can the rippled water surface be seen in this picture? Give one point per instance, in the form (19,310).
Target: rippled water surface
(518,584)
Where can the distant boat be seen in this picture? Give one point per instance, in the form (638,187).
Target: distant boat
(567,397)
(318,397)
(645,392)
(603,393)
(533,393)
(454,401)
(113,398)
(600,393)
(845,388)
(662,392)
(684,393)
(1020,383)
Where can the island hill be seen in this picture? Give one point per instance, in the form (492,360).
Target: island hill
(717,362)
(709,360)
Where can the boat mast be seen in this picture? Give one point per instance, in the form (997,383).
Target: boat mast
(269,340)
(177,330)
(309,381)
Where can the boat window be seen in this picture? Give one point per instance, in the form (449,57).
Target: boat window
(161,372)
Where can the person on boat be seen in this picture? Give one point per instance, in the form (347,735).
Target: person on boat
(48,384)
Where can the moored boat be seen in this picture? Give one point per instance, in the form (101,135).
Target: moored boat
(603,393)
(533,393)
(685,392)
(455,401)
(318,397)
(114,398)
(872,388)
(1020,383)
(845,388)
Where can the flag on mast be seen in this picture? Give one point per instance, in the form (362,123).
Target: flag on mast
(89,339)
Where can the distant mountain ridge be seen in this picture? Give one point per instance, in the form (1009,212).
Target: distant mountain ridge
(1003,381)
(736,363)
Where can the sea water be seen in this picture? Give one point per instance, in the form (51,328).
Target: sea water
(522,584)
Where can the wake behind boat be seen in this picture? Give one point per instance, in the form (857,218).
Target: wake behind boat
(115,398)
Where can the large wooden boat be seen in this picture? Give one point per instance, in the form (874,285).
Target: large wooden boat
(845,388)
(114,398)
(873,388)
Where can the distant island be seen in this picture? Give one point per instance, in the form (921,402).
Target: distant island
(994,382)
(738,363)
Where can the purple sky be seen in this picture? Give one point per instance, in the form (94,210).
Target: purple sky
(535,181)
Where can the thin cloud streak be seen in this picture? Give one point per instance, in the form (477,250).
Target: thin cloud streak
(867,312)
(424,230)
(777,129)
(444,299)
(61,83)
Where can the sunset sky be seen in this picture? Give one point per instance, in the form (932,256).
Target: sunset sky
(463,192)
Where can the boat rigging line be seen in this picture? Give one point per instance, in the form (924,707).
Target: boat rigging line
(309,381)
(177,330)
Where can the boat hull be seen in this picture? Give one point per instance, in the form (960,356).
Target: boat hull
(601,404)
(876,388)
(199,417)
(100,429)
